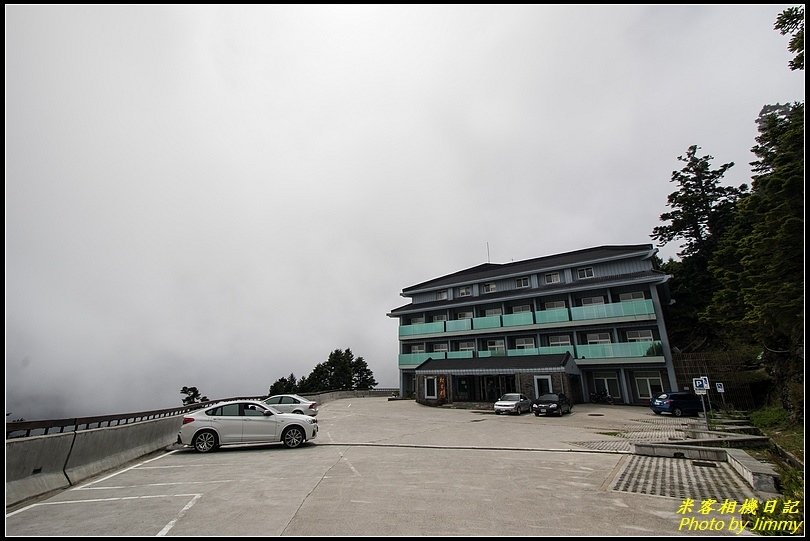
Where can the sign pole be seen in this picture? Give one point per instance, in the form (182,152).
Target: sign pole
(702,403)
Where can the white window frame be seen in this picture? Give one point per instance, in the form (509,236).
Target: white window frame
(553,305)
(418,348)
(439,348)
(637,335)
(441,295)
(632,296)
(557,340)
(490,287)
(435,387)
(467,345)
(465,291)
(552,278)
(598,338)
(587,301)
(537,392)
(466,315)
(584,273)
(493,312)
(495,344)
(524,343)
(440,317)
(417,320)
(522,282)
(522,308)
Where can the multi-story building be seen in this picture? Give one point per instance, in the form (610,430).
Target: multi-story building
(578,322)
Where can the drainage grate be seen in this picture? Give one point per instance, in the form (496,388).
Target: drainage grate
(661,476)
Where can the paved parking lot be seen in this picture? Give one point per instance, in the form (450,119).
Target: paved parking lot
(398,468)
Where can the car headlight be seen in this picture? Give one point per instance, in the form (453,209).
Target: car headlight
(552,406)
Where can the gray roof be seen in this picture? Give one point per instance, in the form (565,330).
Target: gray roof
(500,365)
(491,270)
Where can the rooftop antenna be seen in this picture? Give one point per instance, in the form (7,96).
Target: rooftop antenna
(488,252)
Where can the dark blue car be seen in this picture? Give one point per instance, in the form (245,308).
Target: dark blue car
(677,403)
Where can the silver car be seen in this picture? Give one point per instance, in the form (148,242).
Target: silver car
(513,403)
(244,421)
(292,403)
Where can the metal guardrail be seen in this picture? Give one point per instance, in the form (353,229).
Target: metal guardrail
(24,429)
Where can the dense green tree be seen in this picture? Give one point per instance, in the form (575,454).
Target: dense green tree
(192,396)
(341,371)
(362,376)
(287,385)
(791,21)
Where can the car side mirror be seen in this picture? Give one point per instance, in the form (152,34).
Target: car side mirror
(268,413)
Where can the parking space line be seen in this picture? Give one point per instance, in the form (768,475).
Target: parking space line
(161,484)
(122,471)
(180,515)
(96,500)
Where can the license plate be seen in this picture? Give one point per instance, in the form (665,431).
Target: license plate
(542,410)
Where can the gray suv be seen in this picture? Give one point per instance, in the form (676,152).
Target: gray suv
(677,403)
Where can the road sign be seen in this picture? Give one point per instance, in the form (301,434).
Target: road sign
(705,382)
(720,388)
(700,385)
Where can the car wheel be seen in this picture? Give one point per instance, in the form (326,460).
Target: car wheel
(536,414)
(293,437)
(677,412)
(299,412)
(657,412)
(205,441)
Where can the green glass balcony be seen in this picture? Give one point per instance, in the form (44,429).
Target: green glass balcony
(520,352)
(616,309)
(413,359)
(492,353)
(421,328)
(554,315)
(458,325)
(459,354)
(550,350)
(622,349)
(488,322)
(521,318)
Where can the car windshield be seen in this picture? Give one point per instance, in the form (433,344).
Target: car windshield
(549,397)
(510,397)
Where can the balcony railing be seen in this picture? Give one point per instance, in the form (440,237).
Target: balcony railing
(412,359)
(421,328)
(521,318)
(616,309)
(487,322)
(459,325)
(555,315)
(622,349)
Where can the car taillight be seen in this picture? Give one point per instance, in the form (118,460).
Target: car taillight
(187,420)
(313,406)
(668,401)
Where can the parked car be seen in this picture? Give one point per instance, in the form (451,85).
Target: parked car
(677,403)
(244,421)
(292,403)
(551,404)
(513,403)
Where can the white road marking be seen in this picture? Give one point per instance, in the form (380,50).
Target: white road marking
(357,473)
(358,501)
(180,515)
(95,500)
(124,470)
(161,484)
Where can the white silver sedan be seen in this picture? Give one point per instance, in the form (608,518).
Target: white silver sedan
(292,403)
(513,403)
(244,421)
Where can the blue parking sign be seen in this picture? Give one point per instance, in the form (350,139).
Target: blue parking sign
(699,383)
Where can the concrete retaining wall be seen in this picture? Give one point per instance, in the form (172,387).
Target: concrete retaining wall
(102,449)
(35,466)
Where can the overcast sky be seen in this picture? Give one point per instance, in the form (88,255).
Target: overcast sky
(219,196)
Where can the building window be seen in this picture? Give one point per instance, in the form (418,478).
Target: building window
(465,291)
(464,315)
(559,340)
(418,348)
(417,320)
(553,278)
(524,343)
(440,317)
(490,287)
(598,338)
(585,272)
(439,347)
(607,381)
(640,336)
(551,305)
(592,300)
(493,345)
(441,295)
(521,308)
(466,346)
(430,387)
(522,282)
(634,296)
(648,384)
(493,312)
